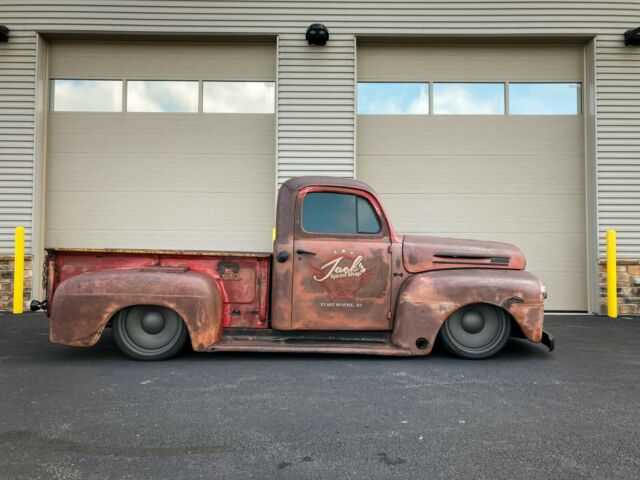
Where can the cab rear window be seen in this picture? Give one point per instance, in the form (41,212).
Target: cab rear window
(329,212)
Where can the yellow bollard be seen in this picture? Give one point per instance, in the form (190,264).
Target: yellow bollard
(612,292)
(18,272)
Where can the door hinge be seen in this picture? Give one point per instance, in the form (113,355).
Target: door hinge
(389,315)
(389,249)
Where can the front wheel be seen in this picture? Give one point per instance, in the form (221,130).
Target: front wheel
(149,332)
(476,331)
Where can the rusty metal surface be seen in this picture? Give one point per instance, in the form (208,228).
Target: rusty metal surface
(243,281)
(85,303)
(422,254)
(161,252)
(288,232)
(298,302)
(353,282)
(344,286)
(426,300)
(346,283)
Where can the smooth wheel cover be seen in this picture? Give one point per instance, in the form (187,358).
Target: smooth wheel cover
(149,332)
(476,331)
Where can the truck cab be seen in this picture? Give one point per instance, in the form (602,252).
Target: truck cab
(339,280)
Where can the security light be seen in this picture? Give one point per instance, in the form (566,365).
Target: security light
(317,34)
(632,37)
(4,33)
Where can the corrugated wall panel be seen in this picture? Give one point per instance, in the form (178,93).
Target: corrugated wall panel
(17,97)
(618,146)
(323,77)
(316,107)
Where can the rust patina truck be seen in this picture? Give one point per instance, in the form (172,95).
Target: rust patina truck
(340,280)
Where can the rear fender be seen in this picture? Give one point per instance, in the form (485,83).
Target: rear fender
(426,300)
(83,304)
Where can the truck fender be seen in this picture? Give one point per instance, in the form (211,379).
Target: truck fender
(83,305)
(426,300)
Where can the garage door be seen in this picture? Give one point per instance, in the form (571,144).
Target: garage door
(160,145)
(481,142)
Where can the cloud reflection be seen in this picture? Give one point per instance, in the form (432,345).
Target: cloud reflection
(468,98)
(162,96)
(393,98)
(86,95)
(544,98)
(238,97)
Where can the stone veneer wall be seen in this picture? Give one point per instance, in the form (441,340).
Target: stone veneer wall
(6,283)
(628,286)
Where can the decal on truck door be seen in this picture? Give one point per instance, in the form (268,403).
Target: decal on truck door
(344,275)
(342,263)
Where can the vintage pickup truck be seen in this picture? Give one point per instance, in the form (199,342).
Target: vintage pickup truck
(340,280)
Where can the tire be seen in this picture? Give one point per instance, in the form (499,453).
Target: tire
(476,331)
(149,332)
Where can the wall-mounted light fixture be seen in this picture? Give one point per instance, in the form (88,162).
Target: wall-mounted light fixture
(4,33)
(317,34)
(632,37)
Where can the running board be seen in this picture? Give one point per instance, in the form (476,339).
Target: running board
(292,341)
(230,345)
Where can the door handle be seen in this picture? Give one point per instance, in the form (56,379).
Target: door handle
(300,251)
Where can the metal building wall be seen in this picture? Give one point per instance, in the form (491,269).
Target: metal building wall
(17,117)
(316,97)
(315,116)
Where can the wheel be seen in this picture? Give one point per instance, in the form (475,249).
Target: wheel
(476,331)
(149,332)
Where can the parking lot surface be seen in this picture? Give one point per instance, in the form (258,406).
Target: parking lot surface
(90,413)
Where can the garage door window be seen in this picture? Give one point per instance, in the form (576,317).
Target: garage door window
(238,97)
(85,96)
(544,98)
(468,98)
(162,96)
(393,98)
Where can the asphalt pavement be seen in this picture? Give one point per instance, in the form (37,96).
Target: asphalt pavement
(90,413)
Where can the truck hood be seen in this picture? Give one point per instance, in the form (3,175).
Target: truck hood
(421,254)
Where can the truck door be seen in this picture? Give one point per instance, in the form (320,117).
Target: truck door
(342,262)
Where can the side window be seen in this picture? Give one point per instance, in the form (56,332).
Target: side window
(327,212)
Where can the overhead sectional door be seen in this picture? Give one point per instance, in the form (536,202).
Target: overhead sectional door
(185,161)
(489,174)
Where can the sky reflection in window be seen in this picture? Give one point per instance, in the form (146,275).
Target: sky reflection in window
(468,98)
(544,98)
(86,96)
(238,97)
(162,96)
(393,98)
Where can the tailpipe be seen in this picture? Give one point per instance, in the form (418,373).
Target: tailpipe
(36,305)
(548,341)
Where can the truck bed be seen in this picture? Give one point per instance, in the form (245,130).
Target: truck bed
(243,277)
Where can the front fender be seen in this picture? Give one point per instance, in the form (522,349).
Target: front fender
(83,304)
(426,300)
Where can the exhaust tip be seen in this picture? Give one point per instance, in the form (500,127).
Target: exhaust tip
(36,305)
(548,340)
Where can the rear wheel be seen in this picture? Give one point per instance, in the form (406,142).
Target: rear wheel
(476,331)
(149,332)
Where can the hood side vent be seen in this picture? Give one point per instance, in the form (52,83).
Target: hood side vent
(473,258)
